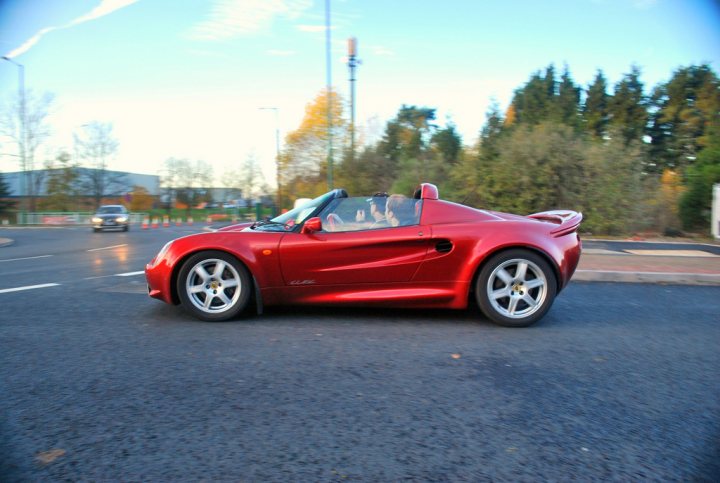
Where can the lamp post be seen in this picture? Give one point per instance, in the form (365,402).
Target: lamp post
(277,153)
(328,72)
(23,139)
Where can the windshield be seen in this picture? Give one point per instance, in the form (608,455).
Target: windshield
(299,214)
(111,210)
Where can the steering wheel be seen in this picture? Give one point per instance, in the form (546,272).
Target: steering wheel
(333,220)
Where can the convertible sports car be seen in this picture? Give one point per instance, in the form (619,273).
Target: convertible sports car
(418,252)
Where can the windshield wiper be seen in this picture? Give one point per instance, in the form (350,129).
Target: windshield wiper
(260,223)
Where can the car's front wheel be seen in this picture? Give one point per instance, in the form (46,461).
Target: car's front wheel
(213,286)
(516,288)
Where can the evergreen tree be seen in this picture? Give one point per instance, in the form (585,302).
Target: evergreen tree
(5,204)
(595,110)
(684,111)
(534,102)
(567,101)
(628,108)
(408,134)
(447,144)
(470,179)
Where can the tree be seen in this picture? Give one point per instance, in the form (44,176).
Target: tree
(615,196)
(36,130)
(408,133)
(5,204)
(537,168)
(696,202)
(534,102)
(567,101)
(97,146)
(185,181)
(627,109)
(303,162)
(250,178)
(595,112)
(470,180)
(447,144)
(62,184)
(685,110)
(141,199)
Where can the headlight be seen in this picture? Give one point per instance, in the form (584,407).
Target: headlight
(96,219)
(121,219)
(161,253)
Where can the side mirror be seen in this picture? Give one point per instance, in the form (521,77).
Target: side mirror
(311,225)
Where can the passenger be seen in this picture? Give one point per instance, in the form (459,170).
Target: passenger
(377,211)
(400,211)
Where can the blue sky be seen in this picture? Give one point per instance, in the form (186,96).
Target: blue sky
(185,78)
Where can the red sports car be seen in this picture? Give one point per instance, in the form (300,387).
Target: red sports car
(418,252)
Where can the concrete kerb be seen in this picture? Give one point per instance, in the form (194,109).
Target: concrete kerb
(616,276)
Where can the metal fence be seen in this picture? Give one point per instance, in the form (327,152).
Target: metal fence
(65,218)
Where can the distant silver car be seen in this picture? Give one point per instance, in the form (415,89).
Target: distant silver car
(111,217)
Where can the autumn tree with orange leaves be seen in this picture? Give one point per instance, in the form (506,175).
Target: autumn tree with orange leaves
(303,162)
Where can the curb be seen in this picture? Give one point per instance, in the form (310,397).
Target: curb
(647,277)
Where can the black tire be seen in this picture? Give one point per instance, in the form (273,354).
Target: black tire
(516,288)
(126,228)
(95,230)
(222,286)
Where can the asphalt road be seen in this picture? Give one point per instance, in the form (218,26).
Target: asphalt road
(99,382)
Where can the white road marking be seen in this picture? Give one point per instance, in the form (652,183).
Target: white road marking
(29,287)
(130,274)
(107,248)
(24,258)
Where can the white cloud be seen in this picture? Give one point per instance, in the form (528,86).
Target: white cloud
(106,7)
(230,18)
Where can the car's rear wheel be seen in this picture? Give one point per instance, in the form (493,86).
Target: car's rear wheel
(516,288)
(213,286)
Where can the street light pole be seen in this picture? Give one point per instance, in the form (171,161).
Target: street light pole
(277,153)
(328,68)
(23,134)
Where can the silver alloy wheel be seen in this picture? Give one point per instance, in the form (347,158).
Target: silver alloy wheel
(213,285)
(517,288)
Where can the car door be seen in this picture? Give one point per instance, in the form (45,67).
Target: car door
(383,255)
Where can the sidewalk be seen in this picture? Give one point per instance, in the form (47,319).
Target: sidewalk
(698,266)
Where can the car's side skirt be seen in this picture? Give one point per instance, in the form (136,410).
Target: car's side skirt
(437,295)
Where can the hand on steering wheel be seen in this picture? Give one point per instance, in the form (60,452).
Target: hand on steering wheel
(333,220)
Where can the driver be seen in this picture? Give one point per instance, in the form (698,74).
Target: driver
(377,211)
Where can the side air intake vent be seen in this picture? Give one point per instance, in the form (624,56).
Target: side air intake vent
(443,246)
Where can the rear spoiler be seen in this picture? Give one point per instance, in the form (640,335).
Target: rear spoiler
(567,221)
